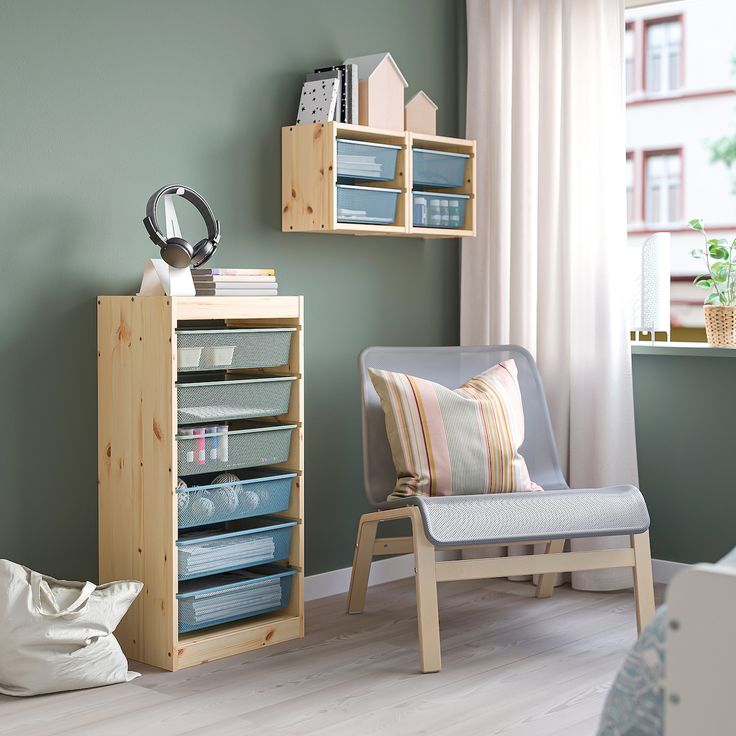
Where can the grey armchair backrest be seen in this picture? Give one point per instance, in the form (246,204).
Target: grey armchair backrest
(451,367)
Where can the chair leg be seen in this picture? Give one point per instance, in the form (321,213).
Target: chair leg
(643,581)
(546,581)
(362,560)
(425,575)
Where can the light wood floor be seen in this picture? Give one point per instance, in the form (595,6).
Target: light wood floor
(512,665)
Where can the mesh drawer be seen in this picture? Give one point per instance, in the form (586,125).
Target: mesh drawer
(438,168)
(223,400)
(260,492)
(241,448)
(251,348)
(220,550)
(232,596)
(368,161)
(370,205)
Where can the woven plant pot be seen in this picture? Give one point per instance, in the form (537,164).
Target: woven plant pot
(720,326)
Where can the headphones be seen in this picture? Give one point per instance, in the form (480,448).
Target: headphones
(177,252)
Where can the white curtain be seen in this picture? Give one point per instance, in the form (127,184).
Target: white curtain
(546,270)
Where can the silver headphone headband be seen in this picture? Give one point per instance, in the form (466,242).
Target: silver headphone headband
(200,203)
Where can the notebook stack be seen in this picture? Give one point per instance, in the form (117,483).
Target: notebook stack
(235,281)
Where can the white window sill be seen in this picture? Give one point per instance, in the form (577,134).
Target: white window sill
(686,349)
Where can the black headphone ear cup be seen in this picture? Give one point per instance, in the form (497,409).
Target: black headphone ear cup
(202,252)
(177,253)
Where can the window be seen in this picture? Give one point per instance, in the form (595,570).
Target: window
(663,174)
(629,44)
(630,177)
(664,48)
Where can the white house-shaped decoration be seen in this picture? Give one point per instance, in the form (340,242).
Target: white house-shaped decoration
(420,114)
(380,91)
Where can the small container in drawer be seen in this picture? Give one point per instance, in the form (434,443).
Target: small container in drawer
(231,596)
(439,210)
(438,168)
(215,550)
(212,401)
(367,161)
(257,492)
(234,348)
(368,205)
(210,449)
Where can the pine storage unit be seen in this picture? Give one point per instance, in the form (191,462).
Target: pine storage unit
(353,179)
(222,562)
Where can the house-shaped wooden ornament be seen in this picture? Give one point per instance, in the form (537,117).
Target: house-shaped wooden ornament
(420,114)
(380,92)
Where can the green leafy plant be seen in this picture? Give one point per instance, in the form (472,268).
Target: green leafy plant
(720,260)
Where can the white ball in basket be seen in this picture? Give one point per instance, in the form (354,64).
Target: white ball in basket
(202,508)
(226,478)
(226,498)
(249,500)
(182,499)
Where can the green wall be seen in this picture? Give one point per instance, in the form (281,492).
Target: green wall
(101,102)
(685,410)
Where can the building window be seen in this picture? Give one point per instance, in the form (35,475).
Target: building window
(663,185)
(629,43)
(630,179)
(664,50)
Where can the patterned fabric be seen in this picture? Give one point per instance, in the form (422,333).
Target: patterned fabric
(459,442)
(635,705)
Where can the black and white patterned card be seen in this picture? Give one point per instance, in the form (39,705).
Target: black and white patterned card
(318,101)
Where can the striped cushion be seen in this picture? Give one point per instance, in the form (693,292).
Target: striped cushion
(459,442)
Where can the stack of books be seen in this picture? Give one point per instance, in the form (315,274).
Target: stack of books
(330,93)
(235,281)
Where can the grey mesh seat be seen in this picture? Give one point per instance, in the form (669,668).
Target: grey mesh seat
(553,516)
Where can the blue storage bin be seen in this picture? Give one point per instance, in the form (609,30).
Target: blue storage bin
(438,168)
(258,444)
(439,210)
(258,492)
(366,161)
(369,205)
(220,549)
(231,596)
(213,401)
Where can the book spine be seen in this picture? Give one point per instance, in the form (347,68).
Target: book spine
(236,271)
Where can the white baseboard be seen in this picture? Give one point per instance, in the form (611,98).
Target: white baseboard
(336,582)
(665,570)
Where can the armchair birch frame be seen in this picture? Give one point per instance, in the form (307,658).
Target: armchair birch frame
(456,522)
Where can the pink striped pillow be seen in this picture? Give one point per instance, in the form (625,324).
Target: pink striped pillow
(446,442)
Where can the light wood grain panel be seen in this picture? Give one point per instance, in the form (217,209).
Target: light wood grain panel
(271,308)
(119,480)
(533,564)
(228,640)
(307,172)
(136,448)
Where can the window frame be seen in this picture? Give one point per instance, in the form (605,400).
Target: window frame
(635,81)
(646,25)
(631,156)
(669,225)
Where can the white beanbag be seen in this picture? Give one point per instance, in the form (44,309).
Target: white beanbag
(57,635)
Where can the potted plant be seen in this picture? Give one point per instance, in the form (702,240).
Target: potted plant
(720,280)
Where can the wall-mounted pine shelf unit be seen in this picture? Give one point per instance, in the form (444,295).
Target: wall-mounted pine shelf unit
(167,368)
(352,179)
